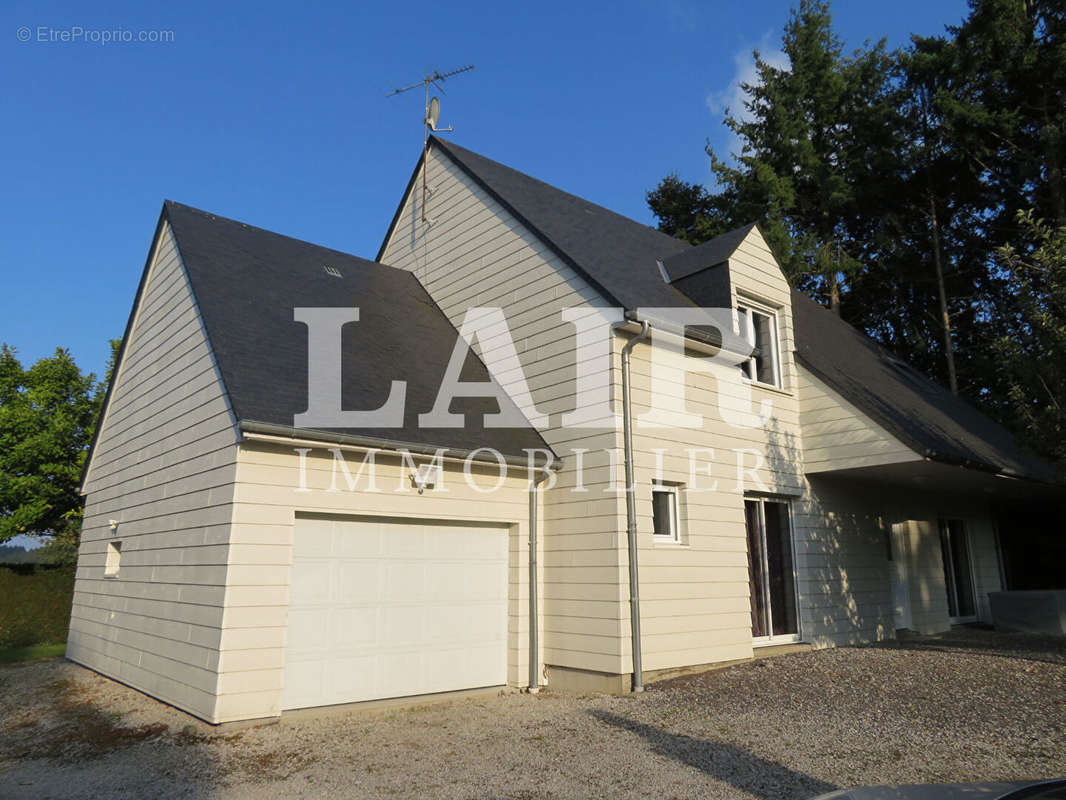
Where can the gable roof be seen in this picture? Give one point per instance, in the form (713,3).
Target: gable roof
(619,257)
(703,256)
(599,244)
(246,282)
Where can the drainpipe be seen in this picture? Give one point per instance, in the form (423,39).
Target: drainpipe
(534,659)
(631,508)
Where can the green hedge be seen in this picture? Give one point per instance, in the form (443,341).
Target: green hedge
(35,605)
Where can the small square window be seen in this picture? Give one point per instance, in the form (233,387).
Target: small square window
(759,327)
(664,513)
(114,556)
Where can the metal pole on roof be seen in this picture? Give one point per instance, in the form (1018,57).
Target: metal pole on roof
(430,119)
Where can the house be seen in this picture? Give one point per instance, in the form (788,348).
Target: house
(259,538)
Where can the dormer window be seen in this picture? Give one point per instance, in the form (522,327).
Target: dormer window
(759,326)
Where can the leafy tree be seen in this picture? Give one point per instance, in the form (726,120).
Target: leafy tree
(806,152)
(1032,352)
(48,413)
(888,185)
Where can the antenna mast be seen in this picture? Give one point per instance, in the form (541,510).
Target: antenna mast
(432,115)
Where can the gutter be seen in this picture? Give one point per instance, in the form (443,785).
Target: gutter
(534,654)
(631,509)
(692,338)
(284,434)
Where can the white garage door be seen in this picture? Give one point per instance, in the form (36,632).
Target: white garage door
(390,609)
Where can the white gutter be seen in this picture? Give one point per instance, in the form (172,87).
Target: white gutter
(534,654)
(631,509)
(271,433)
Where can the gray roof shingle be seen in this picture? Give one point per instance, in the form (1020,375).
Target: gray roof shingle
(618,256)
(247,281)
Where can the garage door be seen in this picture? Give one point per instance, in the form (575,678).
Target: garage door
(390,609)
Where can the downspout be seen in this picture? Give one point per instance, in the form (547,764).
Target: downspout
(534,655)
(631,508)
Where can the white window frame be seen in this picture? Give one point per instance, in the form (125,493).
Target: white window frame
(747,368)
(782,638)
(113,561)
(674,537)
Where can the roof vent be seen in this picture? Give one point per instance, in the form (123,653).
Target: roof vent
(336,273)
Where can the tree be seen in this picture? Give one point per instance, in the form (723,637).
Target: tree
(47,417)
(810,142)
(1032,352)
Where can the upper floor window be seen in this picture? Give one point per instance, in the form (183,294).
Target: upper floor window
(759,326)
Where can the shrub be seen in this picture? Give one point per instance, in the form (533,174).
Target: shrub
(34,604)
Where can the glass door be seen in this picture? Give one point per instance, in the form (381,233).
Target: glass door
(958,570)
(771,572)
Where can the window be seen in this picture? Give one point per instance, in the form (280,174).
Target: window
(759,327)
(114,555)
(664,513)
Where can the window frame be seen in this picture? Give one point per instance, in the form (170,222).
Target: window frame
(744,309)
(786,503)
(672,491)
(113,559)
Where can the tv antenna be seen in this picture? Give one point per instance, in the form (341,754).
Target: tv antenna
(432,115)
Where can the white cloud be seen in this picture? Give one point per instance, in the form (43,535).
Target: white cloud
(732,97)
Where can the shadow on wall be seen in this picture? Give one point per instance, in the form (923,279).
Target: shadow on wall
(841,555)
(724,762)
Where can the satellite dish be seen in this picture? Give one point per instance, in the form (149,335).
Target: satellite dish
(433,115)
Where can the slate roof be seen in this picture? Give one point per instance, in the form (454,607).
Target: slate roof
(916,410)
(708,254)
(618,256)
(599,244)
(247,281)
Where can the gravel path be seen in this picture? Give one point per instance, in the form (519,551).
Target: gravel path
(967,706)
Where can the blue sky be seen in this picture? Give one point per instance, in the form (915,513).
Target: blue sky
(275,114)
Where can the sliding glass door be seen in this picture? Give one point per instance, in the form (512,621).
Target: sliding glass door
(958,570)
(771,571)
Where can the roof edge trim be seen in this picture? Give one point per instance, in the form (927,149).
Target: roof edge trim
(378,443)
(559,251)
(116,368)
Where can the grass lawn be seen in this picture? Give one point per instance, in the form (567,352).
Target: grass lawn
(9,655)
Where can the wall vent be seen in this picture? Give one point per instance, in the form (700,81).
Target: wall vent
(336,273)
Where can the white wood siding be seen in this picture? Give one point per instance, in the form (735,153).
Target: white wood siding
(163,467)
(845,588)
(476,254)
(266,503)
(695,606)
(837,435)
(694,596)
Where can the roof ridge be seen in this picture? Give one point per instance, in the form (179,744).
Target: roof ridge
(448,146)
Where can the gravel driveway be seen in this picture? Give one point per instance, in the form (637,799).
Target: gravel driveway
(970,705)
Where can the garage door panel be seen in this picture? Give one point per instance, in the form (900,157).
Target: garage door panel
(486,581)
(405,582)
(316,537)
(311,583)
(402,625)
(303,683)
(308,630)
(353,677)
(358,539)
(403,540)
(357,581)
(352,627)
(396,609)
